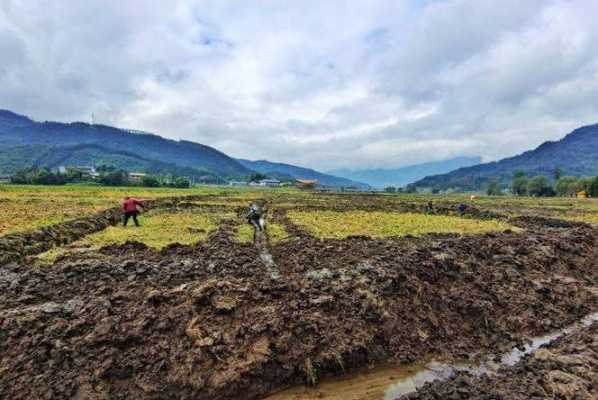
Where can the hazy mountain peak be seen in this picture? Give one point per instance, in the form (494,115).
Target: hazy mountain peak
(382,177)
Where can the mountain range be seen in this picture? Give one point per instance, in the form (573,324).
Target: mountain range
(576,154)
(399,177)
(17,131)
(285,171)
(25,143)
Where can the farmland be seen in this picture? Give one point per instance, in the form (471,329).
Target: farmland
(189,306)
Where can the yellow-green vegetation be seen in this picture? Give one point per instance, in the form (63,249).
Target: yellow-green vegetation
(157,230)
(244,233)
(588,218)
(339,225)
(276,233)
(29,207)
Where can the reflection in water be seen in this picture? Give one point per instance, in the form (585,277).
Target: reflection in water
(392,382)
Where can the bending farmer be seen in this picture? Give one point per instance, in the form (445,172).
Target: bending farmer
(130,209)
(254,217)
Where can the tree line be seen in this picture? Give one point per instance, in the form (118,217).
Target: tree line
(541,186)
(107,176)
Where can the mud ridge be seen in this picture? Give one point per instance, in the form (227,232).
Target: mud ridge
(208,322)
(14,247)
(565,369)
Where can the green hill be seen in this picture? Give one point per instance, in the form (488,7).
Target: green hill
(17,131)
(576,154)
(16,158)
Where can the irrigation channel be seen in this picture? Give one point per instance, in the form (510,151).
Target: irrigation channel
(392,382)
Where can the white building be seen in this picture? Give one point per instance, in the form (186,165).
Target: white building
(136,176)
(269,182)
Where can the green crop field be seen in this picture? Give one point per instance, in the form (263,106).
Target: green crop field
(339,225)
(29,207)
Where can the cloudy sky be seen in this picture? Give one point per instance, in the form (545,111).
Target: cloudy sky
(325,84)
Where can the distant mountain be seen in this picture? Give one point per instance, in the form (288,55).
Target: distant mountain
(285,171)
(17,131)
(576,154)
(399,177)
(13,159)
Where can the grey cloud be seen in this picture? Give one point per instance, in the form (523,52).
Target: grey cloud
(323,84)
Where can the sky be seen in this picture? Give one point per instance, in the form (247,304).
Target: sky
(325,84)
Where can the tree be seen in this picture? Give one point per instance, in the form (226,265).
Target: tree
(20,178)
(411,189)
(257,177)
(566,186)
(493,188)
(558,173)
(519,174)
(390,189)
(594,187)
(182,182)
(38,176)
(150,181)
(539,186)
(583,185)
(519,185)
(45,177)
(115,178)
(73,175)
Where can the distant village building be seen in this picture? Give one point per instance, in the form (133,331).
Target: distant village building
(326,189)
(237,183)
(136,177)
(269,182)
(350,189)
(4,179)
(306,183)
(207,179)
(84,170)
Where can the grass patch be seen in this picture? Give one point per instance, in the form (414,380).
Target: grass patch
(331,224)
(244,233)
(24,207)
(587,218)
(157,230)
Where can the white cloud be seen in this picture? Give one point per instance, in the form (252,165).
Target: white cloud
(324,84)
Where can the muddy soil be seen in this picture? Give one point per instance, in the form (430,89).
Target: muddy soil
(210,322)
(565,369)
(16,246)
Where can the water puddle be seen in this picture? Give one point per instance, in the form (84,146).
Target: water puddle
(261,242)
(391,382)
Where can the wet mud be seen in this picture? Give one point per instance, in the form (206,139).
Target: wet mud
(16,246)
(565,369)
(390,382)
(209,321)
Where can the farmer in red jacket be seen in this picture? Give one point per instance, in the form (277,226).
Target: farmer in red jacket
(130,209)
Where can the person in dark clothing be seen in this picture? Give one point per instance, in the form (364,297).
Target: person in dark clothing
(462,207)
(254,217)
(430,208)
(130,210)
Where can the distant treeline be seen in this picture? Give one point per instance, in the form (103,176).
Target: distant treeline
(540,186)
(106,176)
(535,186)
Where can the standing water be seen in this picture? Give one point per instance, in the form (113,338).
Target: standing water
(391,382)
